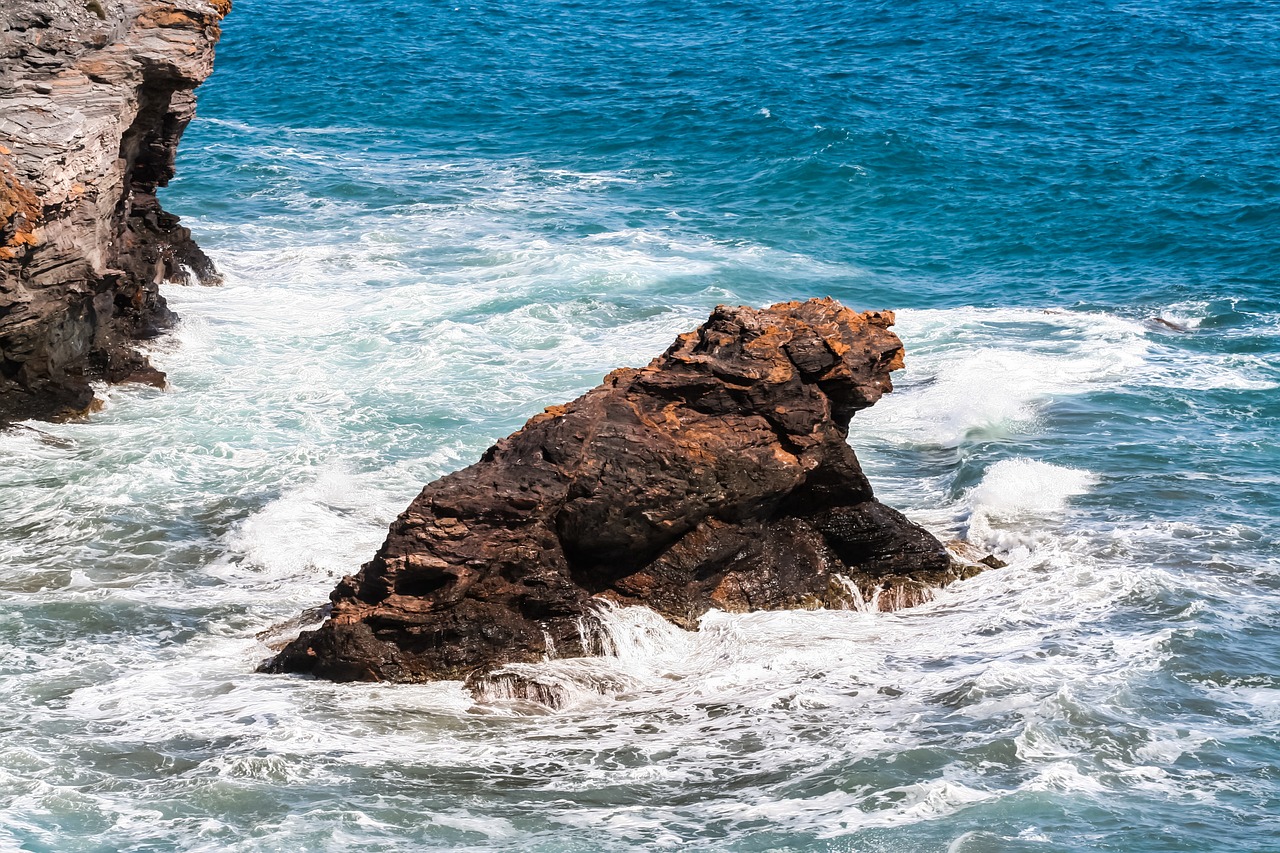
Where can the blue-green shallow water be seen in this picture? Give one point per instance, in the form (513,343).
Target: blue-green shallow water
(436,219)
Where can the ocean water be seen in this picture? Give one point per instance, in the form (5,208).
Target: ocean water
(436,219)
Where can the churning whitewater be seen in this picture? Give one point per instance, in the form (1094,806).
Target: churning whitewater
(434,221)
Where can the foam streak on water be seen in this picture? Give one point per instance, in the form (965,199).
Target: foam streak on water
(417,262)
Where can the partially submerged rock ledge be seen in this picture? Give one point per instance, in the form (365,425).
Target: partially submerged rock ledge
(94,96)
(718,476)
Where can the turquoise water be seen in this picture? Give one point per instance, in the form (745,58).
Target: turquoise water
(437,219)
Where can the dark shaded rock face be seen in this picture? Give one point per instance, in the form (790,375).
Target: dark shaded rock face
(718,476)
(94,95)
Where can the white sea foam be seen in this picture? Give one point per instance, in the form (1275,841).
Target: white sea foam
(1018,498)
(340,369)
(677,710)
(990,371)
(326,526)
(1186,315)
(1017,488)
(986,373)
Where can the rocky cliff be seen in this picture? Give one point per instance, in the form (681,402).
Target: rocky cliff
(720,475)
(94,95)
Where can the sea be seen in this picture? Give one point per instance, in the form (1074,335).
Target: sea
(437,217)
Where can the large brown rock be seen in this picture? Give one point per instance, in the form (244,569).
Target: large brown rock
(718,476)
(94,95)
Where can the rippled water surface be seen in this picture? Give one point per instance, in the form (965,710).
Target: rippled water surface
(436,219)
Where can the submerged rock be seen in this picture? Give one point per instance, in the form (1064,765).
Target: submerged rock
(718,476)
(94,95)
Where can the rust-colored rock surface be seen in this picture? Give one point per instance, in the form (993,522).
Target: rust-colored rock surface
(94,95)
(718,476)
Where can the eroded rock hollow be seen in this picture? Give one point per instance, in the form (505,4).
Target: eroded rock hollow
(94,96)
(720,475)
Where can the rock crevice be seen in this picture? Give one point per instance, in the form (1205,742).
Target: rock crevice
(94,96)
(720,475)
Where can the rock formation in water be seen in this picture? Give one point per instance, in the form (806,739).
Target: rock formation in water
(94,95)
(718,476)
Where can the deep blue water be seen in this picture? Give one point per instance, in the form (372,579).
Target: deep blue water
(436,219)
(1106,153)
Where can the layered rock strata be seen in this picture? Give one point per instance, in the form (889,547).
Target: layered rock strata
(720,475)
(94,95)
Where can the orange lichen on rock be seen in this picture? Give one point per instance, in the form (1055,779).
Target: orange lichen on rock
(19,211)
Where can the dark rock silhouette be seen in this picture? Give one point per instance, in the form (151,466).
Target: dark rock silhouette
(718,476)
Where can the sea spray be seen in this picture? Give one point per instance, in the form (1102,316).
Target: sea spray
(1019,499)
